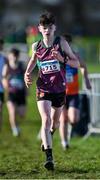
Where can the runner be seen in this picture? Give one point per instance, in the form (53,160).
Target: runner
(13,81)
(51,80)
(71,111)
(2,62)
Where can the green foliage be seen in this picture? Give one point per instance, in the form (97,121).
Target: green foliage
(88,48)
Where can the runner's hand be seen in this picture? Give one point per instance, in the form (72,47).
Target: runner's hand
(56,54)
(28,79)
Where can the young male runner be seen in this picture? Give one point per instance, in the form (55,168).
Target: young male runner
(51,79)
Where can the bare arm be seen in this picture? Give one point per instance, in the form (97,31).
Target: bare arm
(31,65)
(72,59)
(32,61)
(5,77)
(84,73)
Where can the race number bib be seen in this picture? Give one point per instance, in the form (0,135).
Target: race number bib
(69,77)
(51,66)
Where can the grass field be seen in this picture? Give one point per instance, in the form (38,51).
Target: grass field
(21,158)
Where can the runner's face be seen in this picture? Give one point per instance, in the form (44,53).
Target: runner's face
(11,57)
(47,30)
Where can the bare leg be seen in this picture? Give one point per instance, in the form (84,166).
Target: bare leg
(63,128)
(45,111)
(73,116)
(55,115)
(12,117)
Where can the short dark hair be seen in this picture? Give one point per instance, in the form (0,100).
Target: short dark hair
(68,37)
(15,52)
(47,19)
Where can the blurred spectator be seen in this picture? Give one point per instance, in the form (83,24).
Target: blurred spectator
(13,81)
(2,62)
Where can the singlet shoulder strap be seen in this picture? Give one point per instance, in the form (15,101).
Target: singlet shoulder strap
(38,44)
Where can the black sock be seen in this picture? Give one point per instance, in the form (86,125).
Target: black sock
(48,153)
